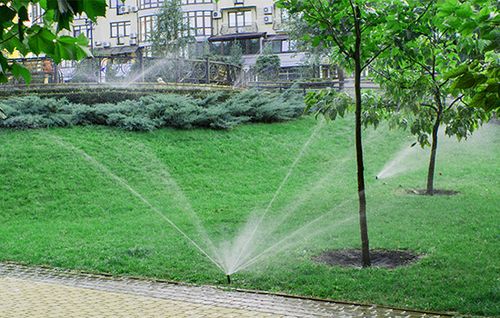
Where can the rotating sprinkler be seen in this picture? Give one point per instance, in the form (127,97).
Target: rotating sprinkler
(376,177)
(228,279)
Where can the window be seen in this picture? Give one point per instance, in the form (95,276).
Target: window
(146,25)
(85,29)
(199,22)
(283,46)
(196,1)
(248,46)
(119,29)
(146,4)
(36,14)
(288,46)
(240,19)
(113,4)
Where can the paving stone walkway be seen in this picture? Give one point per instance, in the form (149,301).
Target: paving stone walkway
(40,292)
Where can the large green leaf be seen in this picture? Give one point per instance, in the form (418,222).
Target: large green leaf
(42,41)
(21,71)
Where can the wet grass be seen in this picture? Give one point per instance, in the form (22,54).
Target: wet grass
(59,210)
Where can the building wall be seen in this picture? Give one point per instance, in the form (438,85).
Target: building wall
(128,23)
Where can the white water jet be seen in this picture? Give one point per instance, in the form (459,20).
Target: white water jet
(301,153)
(255,250)
(148,161)
(414,158)
(125,185)
(146,71)
(410,158)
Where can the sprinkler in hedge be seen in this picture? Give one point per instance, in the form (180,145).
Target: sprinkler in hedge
(228,279)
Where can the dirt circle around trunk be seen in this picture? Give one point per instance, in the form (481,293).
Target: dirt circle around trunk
(380,258)
(436,192)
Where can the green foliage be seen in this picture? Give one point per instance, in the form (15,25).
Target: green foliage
(444,69)
(268,67)
(171,35)
(86,71)
(216,111)
(330,26)
(328,102)
(235,54)
(34,112)
(18,34)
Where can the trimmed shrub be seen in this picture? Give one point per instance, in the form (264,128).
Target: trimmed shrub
(35,112)
(215,111)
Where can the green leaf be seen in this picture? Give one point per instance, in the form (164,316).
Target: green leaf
(457,71)
(21,71)
(465,81)
(6,14)
(42,42)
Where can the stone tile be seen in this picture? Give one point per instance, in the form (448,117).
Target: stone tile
(39,292)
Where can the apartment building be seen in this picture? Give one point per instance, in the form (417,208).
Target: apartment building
(253,24)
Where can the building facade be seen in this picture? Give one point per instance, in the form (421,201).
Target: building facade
(253,24)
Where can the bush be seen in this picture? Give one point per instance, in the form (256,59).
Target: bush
(268,67)
(35,112)
(215,111)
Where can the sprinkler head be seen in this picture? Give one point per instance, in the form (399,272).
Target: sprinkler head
(228,279)
(376,177)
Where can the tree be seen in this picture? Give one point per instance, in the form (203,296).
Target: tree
(19,34)
(268,65)
(439,71)
(356,32)
(172,34)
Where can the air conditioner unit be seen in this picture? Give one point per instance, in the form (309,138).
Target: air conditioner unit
(133,35)
(134,8)
(133,42)
(216,15)
(106,44)
(268,20)
(97,43)
(268,10)
(123,10)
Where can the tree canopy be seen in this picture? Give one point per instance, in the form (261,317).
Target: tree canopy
(19,34)
(172,34)
(441,72)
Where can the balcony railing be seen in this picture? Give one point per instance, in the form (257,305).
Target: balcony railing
(251,28)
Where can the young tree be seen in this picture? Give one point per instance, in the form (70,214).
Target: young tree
(438,71)
(356,32)
(268,65)
(171,35)
(19,34)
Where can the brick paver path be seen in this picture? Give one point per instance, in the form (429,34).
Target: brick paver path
(39,292)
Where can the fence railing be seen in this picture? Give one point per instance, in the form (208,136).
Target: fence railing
(128,69)
(304,86)
(251,28)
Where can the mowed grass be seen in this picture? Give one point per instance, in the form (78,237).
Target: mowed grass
(61,210)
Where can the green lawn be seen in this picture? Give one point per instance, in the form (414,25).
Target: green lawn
(59,209)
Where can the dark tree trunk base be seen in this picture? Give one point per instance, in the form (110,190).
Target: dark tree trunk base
(379,258)
(435,192)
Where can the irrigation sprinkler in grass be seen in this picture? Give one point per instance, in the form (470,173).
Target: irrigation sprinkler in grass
(228,279)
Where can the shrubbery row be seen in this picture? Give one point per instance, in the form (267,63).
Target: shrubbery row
(216,111)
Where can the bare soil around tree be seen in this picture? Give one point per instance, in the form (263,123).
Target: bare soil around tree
(379,258)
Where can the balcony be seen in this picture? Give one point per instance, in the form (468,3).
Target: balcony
(251,28)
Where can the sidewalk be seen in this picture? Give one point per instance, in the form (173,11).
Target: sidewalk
(39,292)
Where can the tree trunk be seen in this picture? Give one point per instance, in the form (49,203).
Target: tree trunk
(435,131)
(365,246)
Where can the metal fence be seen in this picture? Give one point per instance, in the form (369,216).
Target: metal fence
(128,69)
